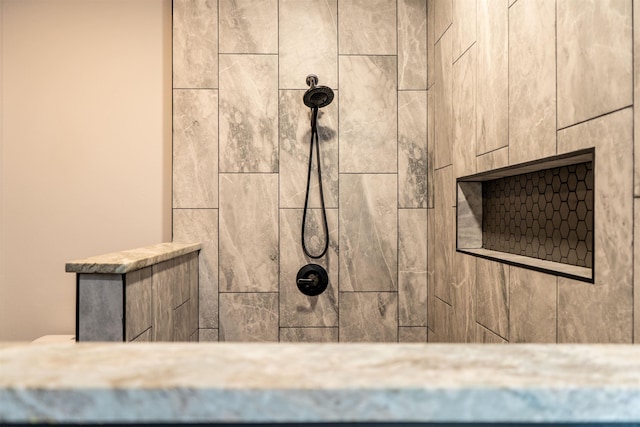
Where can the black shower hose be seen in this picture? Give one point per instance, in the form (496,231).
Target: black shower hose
(314,136)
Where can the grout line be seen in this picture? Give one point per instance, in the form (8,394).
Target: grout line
(463,53)
(217,273)
(595,117)
(436,296)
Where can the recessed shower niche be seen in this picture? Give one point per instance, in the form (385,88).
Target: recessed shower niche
(536,215)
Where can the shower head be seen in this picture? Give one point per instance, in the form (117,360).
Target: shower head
(317,96)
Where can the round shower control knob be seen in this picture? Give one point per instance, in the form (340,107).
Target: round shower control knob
(312,279)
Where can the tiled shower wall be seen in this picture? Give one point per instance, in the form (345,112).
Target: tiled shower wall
(241,144)
(518,80)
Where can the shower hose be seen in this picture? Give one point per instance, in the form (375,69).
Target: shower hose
(314,137)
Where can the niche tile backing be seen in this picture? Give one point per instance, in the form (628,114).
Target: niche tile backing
(545,214)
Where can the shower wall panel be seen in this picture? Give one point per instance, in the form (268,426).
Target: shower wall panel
(239,77)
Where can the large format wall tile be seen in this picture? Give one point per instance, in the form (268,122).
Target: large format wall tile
(248,26)
(443,15)
(464,114)
(368,232)
(463,292)
(443,102)
(367,27)
(308,334)
(138,296)
(594,58)
(603,311)
(442,236)
(492,79)
(532,306)
(100,311)
(368,133)
(195,44)
(295,134)
(412,149)
(431,129)
(464,26)
(248,232)
(636,98)
(532,80)
(492,285)
(297,309)
(412,44)
(195,148)
(248,113)
(485,336)
(368,317)
(201,226)
(431,41)
(636,272)
(308,42)
(412,334)
(493,160)
(249,317)
(412,267)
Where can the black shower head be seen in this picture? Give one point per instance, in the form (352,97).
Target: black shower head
(317,96)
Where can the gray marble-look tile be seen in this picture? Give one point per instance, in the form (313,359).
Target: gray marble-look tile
(195,148)
(412,44)
(301,54)
(532,80)
(146,336)
(367,27)
(368,132)
(443,237)
(493,76)
(431,41)
(464,26)
(162,305)
(441,325)
(492,160)
(207,335)
(248,113)
(492,296)
(295,134)
(248,26)
(182,327)
(202,225)
(594,58)
(636,272)
(463,292)
(100,310)
(248,232)
(485,336)
(368,232)
(412,149)
(443,102)
(369,317)
(532,306)
(431,129)
(195,44)
(412,267)
(636,97)
(412,334)
(469,224)
(464,114)
(603,311)
(297,309)
(249,317)
(138,296)
(308,334)
(443,16)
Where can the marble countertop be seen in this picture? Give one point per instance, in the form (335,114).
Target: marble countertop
(130,260)
(109,383)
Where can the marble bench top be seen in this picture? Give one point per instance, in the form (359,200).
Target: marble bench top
(168,382)
(132,259)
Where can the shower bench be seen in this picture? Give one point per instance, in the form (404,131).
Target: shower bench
(144,294)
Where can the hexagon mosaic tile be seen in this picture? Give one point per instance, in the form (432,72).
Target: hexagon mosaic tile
(546,214)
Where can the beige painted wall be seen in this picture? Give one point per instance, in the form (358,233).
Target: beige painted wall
(85,149)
